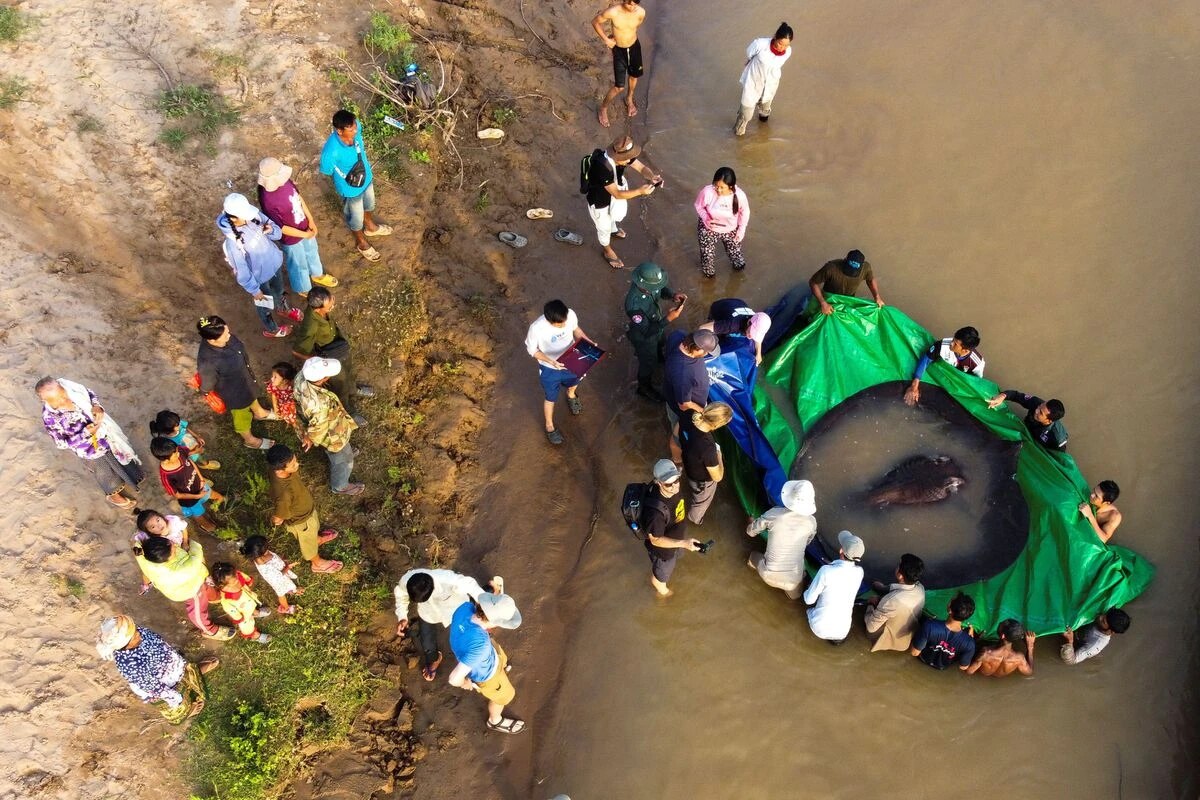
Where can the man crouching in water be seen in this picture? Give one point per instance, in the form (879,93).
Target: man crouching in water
(996,662)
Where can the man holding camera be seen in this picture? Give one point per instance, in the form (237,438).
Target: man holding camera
(664,519)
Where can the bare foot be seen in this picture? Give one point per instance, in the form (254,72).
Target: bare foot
(631,109)
(604,116)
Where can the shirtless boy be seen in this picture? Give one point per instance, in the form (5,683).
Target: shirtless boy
(624,17)
(1100,511)
(996,662)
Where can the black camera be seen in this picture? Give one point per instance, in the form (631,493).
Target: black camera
(706,546)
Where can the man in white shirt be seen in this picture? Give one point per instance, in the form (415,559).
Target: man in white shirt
(892,618)
(437,593)
(549,336)
(1095,637)
(833,590)
(789,530)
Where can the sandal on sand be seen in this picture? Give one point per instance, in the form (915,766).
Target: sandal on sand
(370,254)
(264,444)
(211,464)
(554,437)
(490,133)
(326,280)
(506,725)
(512,239)
(279,333)
(429,672)
(564,235)
(329,568)
(208,664)
(382,230)
(615,262)
(539,213)
(619,233)
(327,535)
(286,610)
(125,503)
(574,404)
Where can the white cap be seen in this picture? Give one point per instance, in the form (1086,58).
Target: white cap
(500,610)
(236,205)
(799,496)
(316,368)
(851,545)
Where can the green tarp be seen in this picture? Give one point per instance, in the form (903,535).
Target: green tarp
(1064,577)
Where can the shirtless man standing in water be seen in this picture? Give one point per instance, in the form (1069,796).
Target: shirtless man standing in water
(625,17)
(996,662)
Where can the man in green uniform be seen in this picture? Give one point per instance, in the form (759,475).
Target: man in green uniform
(648,323)
(319,335)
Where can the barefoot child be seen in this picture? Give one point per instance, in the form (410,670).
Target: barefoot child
(183,481)
(171,426)
(279,575)
(239,602)
(151,523)
(283,398)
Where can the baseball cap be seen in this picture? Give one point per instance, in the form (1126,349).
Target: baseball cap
(855,260)
(851,545)
(500,610)
(665,471)
(236,205)
(707,341)
(799,496)
(316,368)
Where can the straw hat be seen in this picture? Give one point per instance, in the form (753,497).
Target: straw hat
(273,173)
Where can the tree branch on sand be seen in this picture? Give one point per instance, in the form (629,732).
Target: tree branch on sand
(376,78)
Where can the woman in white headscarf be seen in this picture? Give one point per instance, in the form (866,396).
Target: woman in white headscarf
(760,77)
(154,670)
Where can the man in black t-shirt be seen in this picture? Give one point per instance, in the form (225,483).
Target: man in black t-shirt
(702,460)
(940,644)
(665,524)
(1043,420)
(608,191)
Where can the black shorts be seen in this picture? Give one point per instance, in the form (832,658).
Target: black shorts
(627,61)
(661,565)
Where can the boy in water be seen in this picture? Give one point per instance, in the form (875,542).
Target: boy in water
(996,662)
(625,18)
(1100,511)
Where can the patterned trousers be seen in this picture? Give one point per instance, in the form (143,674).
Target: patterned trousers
(708,249)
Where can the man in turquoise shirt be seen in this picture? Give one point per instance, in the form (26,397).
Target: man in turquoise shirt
(343,152)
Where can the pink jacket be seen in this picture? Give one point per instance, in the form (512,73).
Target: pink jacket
(716,212)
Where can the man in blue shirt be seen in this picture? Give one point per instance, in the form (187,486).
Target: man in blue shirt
(344,158)
(482,663)
(941,644)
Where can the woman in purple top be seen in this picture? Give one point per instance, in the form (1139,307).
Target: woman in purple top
(75,420)
(281,202)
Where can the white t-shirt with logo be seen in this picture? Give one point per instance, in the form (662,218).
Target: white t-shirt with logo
(552,341)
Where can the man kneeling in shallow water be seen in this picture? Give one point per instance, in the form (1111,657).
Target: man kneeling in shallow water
(1001,660)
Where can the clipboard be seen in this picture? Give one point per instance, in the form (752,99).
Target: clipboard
(581,357)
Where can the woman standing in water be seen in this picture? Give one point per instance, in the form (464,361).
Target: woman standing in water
(724,213)
(760,77)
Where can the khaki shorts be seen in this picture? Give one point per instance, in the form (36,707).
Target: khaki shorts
(306,532)
(498,689)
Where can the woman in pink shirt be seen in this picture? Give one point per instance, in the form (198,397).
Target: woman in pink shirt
(724,213)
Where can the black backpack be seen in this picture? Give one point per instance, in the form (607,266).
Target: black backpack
(633,505)
(586,165)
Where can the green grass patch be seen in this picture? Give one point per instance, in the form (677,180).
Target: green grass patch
(12,23)
(67,585)
(270,707)
(483,201)
(386,38)
(86,123)
(198,113)
(419,156)
(503,115)
(12,91)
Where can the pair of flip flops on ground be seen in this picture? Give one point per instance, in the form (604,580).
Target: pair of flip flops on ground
(515,239)
(561,235)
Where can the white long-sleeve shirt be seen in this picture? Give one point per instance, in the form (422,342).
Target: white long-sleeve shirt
(833,589)
(1089,642)
(788,533)
(450,590)
(760,77)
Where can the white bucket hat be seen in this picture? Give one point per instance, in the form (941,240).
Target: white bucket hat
(799,496)
(273,173)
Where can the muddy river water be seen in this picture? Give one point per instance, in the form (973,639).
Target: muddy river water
(1028,168)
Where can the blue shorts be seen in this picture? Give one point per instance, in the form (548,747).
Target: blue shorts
(196,509)
(555,379)
(353,207)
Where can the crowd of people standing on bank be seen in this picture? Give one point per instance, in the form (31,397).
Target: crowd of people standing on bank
(313,393)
